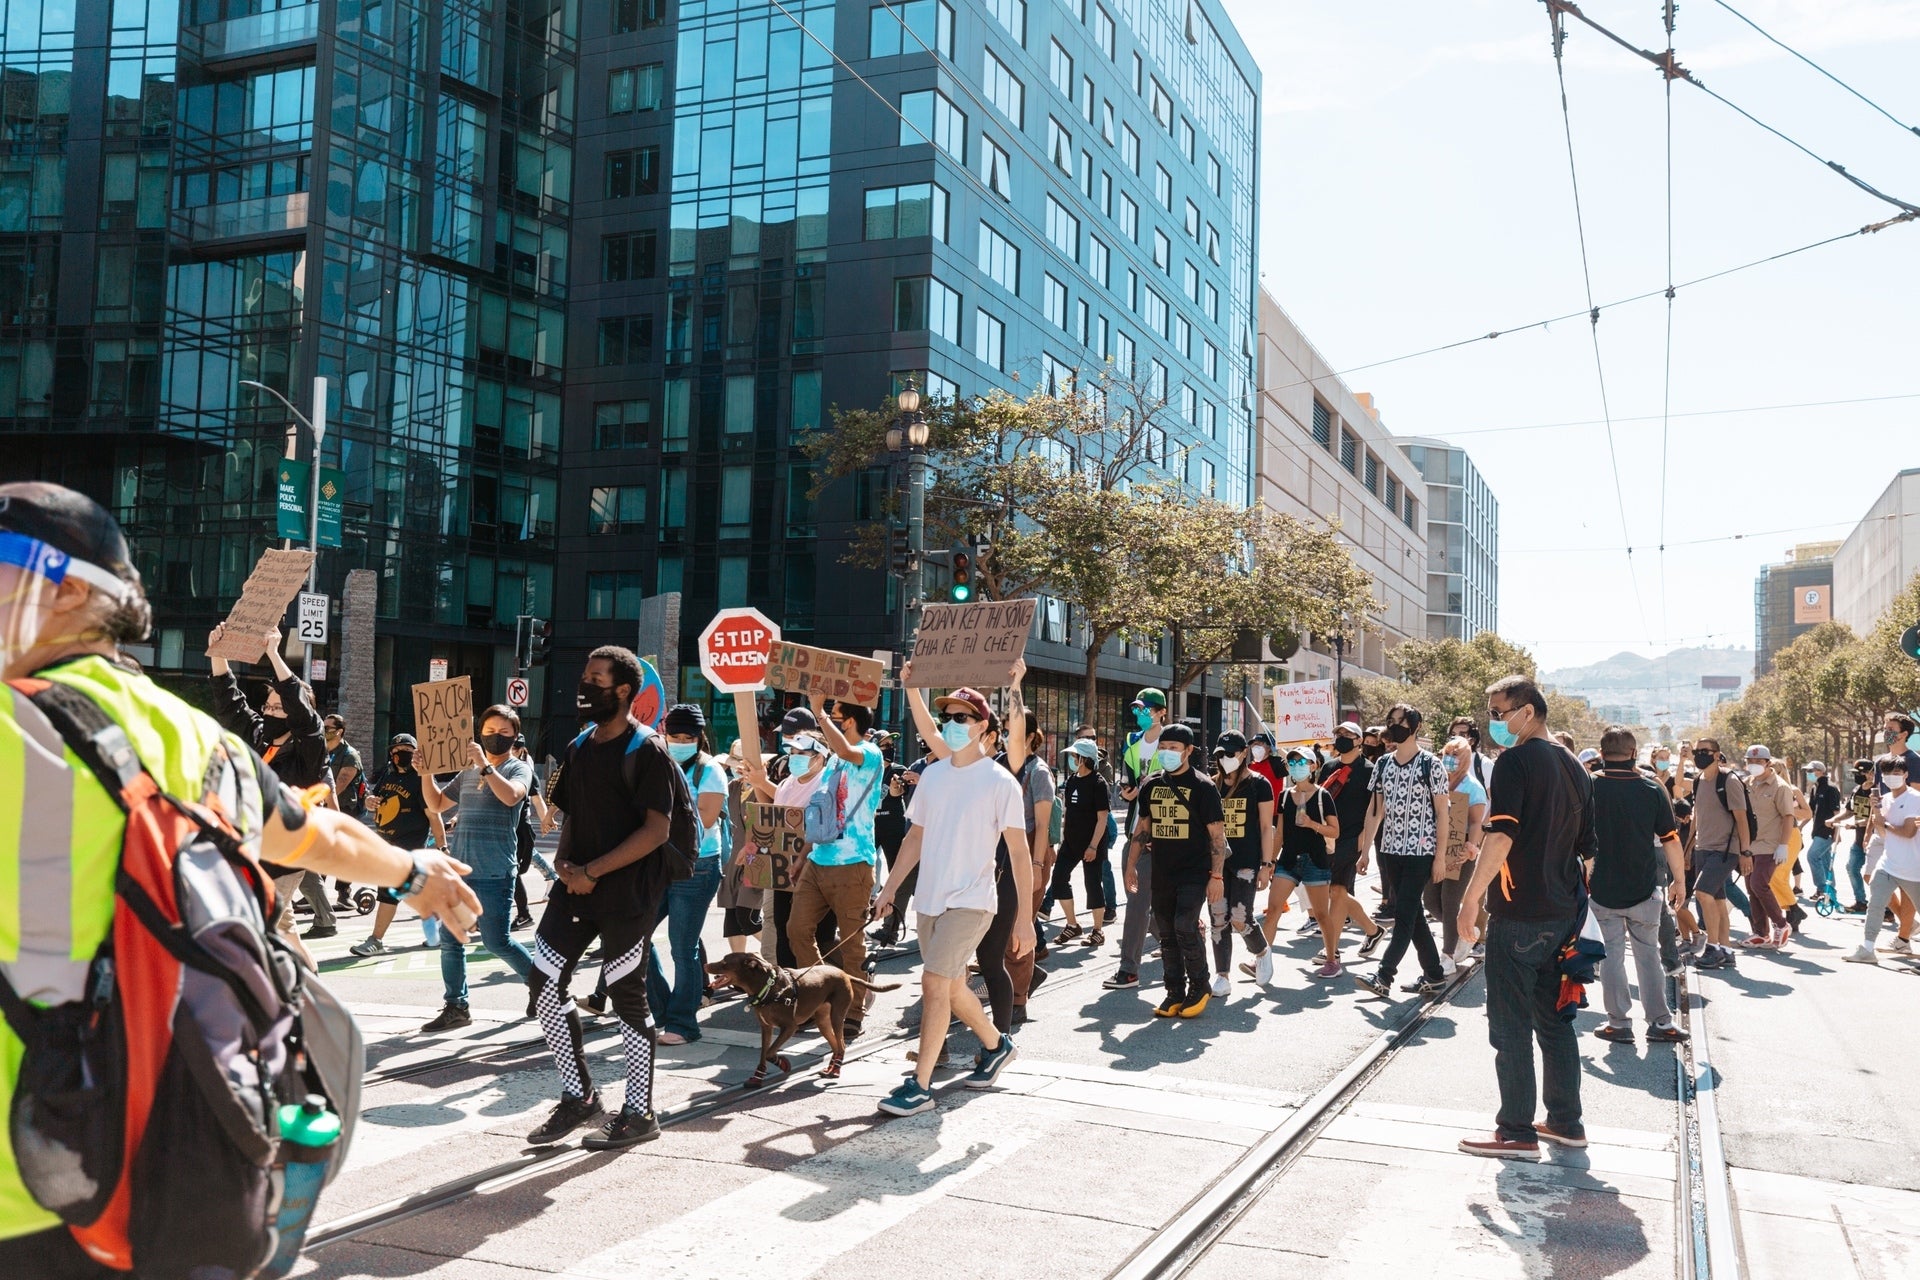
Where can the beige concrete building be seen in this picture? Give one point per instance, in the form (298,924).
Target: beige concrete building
(1322,454)
(1880,557)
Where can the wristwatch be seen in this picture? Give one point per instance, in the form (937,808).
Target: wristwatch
(418,880)
(486,771)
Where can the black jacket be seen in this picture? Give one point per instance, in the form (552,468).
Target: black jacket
(302,760)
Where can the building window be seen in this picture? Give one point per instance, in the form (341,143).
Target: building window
(1193,222)
(617,509)
(1106,194)
(1053,298)
(1213,244)
(1129,219)
(1056,377)
(929,116)
(1182,335)
(635,88)
(1163,187)
(1162,251)
(894,29)
(1371,477)
(633,173)
(1011,14)
(1097,260)
(1190,282)
(1349,452)
(1322,424)
(677,426)
(737,419)
(1139,74)
(1189,412)
(1213,172)
(1082,323)
(628,256)
(633,15)
(1103,31)
(736,498)
(624,340)
(1162,106)
(996,170)
(1123,352)
(999,259)
(1156,313)
(1086,100)
(1409,510)
(1129,148)
(613,597)
(1063,229)
(1393,492)
(1060,69)
(1133,290)
(1157,381)
(731,579)
(622,424)
(1210,419)
(673,499)
(1212,304)
(1186,140)
(1004,90)
(1210,360)
(1059,146)
(989,341)
(921,302)
(916,210)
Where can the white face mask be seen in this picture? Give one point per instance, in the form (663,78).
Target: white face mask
(1229,763)
(1894,781)
(1259,752)
(1755,768)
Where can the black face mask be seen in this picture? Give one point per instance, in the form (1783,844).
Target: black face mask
(1859,776)
(1702,759)
(1343,744)
(403,761)
(497,743)
(273,726)
(1373,750)
(598,702)
(1399,733)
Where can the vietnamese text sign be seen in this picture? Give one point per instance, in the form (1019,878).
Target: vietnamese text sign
(263,601)
(1303,712)
(799,668)
(443,722)
(970,644)
(293,483)
(779,832)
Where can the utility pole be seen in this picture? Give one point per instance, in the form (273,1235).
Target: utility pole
(317,427)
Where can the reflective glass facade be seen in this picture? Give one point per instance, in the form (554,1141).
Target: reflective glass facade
(1463,543)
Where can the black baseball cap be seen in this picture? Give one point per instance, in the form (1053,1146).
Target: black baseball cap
(1228,742)
(1177,733)
(798,720)
(73,524)
(403,740)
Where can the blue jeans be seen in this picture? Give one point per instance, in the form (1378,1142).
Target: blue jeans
(1523,988)
(678,1007)
(1736,896)
(1857,863)
(1820,858)
(496,910)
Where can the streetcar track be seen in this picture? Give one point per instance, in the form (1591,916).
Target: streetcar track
(1713,1246)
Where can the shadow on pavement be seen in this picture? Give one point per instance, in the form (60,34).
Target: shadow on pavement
(1566,1224)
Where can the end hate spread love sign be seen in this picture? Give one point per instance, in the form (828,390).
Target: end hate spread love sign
(970,644)
(799,668)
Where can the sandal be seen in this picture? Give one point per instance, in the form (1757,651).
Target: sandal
(1066,935)
(1096,939)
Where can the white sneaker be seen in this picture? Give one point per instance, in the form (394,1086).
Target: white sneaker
(1222,986)
(371,947)
(1263,967)
(1863,954)
(1447,965)
(1901,945)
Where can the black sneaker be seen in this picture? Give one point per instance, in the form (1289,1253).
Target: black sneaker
(1122,981)
(1424,986)
(1039,976)
(1373,983)
(321,931)
(522,921)
(451,1018)
(568,1116)
(628,1129)
(1372,944)
(593,1004)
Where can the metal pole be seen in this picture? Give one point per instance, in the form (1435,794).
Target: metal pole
(319,425)
(1339,677)
(916,580)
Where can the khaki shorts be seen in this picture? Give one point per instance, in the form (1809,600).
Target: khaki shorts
(948,940)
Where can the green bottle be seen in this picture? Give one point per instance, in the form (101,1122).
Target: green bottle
(309,1130)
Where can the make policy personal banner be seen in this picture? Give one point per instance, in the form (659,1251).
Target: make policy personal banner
(844,677)
(778,833)
(971,644)
(443,722)
(262,605)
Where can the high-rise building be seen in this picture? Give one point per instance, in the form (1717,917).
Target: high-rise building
(376,192)
(1790,599)
(1880,557)
(789,207)
(1325,457)
(1463,542)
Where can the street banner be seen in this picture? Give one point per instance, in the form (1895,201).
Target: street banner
(1812,606)
(779,832)
(293,483)
(650,704)
(733,650)
(970,644)
(799,668)
(262,605)
(1303,713)
(443,722)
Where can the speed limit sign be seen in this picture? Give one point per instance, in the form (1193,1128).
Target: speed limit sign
(517,692)
(312,617)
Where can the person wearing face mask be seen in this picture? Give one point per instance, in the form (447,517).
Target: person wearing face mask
(1408,811)
(1084,842)
(401,818)
(1862,801)
(490,794)
(286,733)
(1150,713)
(1478,765)
(1247,814)
(349,788)
(804,758)
(1466,814)
(1347,776)
(1773,808)
(1635,836)
(1260,760)
(1898,729)
(1182,827)
(1896,821)
(1108,886)
(685,728)
(1721,838)
(1310,829)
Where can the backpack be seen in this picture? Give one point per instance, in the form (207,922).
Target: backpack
(145,1115)
(683,823)
(1746,794)
(827,809)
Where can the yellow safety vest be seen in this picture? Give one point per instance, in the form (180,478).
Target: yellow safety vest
(60,837)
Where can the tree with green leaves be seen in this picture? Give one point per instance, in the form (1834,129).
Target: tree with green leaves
(1448,678)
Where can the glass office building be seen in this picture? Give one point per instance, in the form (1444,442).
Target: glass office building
(1463,542)
(976,194)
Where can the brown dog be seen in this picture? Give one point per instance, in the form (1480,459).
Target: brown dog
(784,998)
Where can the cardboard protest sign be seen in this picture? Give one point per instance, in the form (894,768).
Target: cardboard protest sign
(970,644)
(1303,712)
(443,722)
(263,602)
(780,833)
(799,668)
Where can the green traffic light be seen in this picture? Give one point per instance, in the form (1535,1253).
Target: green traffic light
(960,593)
(1910,642)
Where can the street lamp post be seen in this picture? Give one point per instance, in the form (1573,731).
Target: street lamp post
(316,427)
(907,437)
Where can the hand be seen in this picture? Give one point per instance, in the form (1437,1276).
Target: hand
(1133,881)
(1439,870)
(1216,889)
(475,756)
(271,639)
(817,698)
(1022,935)
(906,673)
(1468,925)
(574,877)
(446,896)
(1676,894)
(882,905)
(1264,879)
(1360,867)
(1090,854)
(1019,674)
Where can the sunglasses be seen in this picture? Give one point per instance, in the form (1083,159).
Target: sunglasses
(959,717)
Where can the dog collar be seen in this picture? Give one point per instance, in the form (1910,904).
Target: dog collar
(766,992)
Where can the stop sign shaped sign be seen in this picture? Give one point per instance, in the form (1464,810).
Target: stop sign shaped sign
(733,650)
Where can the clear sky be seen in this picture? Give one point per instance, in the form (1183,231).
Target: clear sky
(1415,191)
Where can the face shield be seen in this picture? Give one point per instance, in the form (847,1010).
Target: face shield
(30,572)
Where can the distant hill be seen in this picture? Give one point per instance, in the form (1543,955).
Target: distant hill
(1654,691)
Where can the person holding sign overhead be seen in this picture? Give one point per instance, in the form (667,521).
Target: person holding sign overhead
(807,754)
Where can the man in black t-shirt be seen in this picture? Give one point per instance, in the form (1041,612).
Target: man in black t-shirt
(1539,828)
(617,793)
(1633,824)
(1347,776)
(1181,828)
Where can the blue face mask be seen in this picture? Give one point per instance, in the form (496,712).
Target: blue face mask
(1664,766)
(683,751)
(954,734)
(1169,758)
(1299,770)
(1142,718)
(1502,736)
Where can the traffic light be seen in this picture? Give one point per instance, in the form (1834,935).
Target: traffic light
(1910,642)
(900,553)
(962,587)
(541,640)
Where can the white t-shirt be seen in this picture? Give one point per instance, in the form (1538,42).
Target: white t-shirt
(963,813)
(1902,853)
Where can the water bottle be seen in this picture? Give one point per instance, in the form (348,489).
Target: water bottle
(309,1131)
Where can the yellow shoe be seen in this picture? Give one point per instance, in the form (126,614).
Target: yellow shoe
(1167,1008)
(1194,1010)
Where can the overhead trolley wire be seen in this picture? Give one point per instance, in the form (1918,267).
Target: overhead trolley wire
(1915,129)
